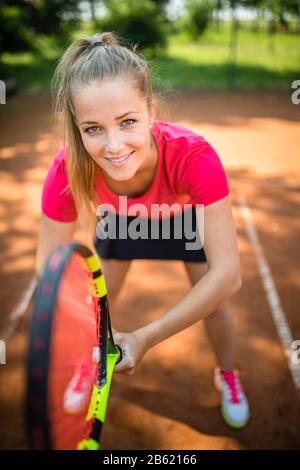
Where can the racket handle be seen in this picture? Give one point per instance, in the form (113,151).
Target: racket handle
(120,353)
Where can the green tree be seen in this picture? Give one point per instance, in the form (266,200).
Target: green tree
(218,7)
(21,19)
(49,16)
(280,11)
(138,23)
(199,15)
(15,20)
(160,5)
(256,6)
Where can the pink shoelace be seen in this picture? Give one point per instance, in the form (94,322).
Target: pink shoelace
(232,381)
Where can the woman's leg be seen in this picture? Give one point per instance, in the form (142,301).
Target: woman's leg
(219,325)
(219,328)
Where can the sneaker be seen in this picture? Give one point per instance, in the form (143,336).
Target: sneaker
(78,392)
(234,407)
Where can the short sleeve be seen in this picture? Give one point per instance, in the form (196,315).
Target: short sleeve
(204,177)
(57,200)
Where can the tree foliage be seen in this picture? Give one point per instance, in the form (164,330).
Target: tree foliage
(199,15)
(140,23)
(21,20)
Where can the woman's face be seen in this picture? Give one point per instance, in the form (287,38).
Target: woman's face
(114,122)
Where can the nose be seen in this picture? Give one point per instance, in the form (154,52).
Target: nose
(113,143)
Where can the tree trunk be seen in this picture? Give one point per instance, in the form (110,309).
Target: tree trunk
(93,10)
(233,47)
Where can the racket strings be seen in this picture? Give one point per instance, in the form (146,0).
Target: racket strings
(74,291)
(75,335)
(66,433)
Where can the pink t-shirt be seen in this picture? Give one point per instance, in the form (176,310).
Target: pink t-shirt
(188,171)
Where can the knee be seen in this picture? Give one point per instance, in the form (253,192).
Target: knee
(221,311)
(112,293)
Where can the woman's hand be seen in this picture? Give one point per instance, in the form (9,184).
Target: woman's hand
(134,348)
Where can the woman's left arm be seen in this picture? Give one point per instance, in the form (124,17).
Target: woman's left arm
(220,282)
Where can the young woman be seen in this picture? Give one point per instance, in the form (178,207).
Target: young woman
(114,147)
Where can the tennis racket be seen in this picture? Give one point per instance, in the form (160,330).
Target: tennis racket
(71,353)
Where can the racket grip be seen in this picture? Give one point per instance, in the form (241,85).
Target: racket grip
(120,353)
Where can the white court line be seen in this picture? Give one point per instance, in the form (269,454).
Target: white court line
(19,310)
(277,311)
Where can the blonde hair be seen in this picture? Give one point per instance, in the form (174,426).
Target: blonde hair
(82,62)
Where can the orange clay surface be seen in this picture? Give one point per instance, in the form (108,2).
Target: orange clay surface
(170,403)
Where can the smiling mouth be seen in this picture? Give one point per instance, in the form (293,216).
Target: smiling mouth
(119,160)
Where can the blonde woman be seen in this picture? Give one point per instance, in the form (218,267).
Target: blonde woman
(115,149)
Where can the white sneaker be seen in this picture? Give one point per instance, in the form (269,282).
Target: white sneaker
(234,407)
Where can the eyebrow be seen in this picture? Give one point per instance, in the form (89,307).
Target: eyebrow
(116,119)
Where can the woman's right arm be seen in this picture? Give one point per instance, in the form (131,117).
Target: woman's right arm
(51,234)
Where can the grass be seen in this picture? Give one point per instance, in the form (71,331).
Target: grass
(263,62)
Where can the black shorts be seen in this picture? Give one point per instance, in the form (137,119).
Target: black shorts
(169,248)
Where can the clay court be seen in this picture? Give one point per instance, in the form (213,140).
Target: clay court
(170,403)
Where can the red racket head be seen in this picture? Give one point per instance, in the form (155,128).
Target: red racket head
(63,359)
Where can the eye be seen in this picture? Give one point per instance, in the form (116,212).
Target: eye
(90,128)
(131,121)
